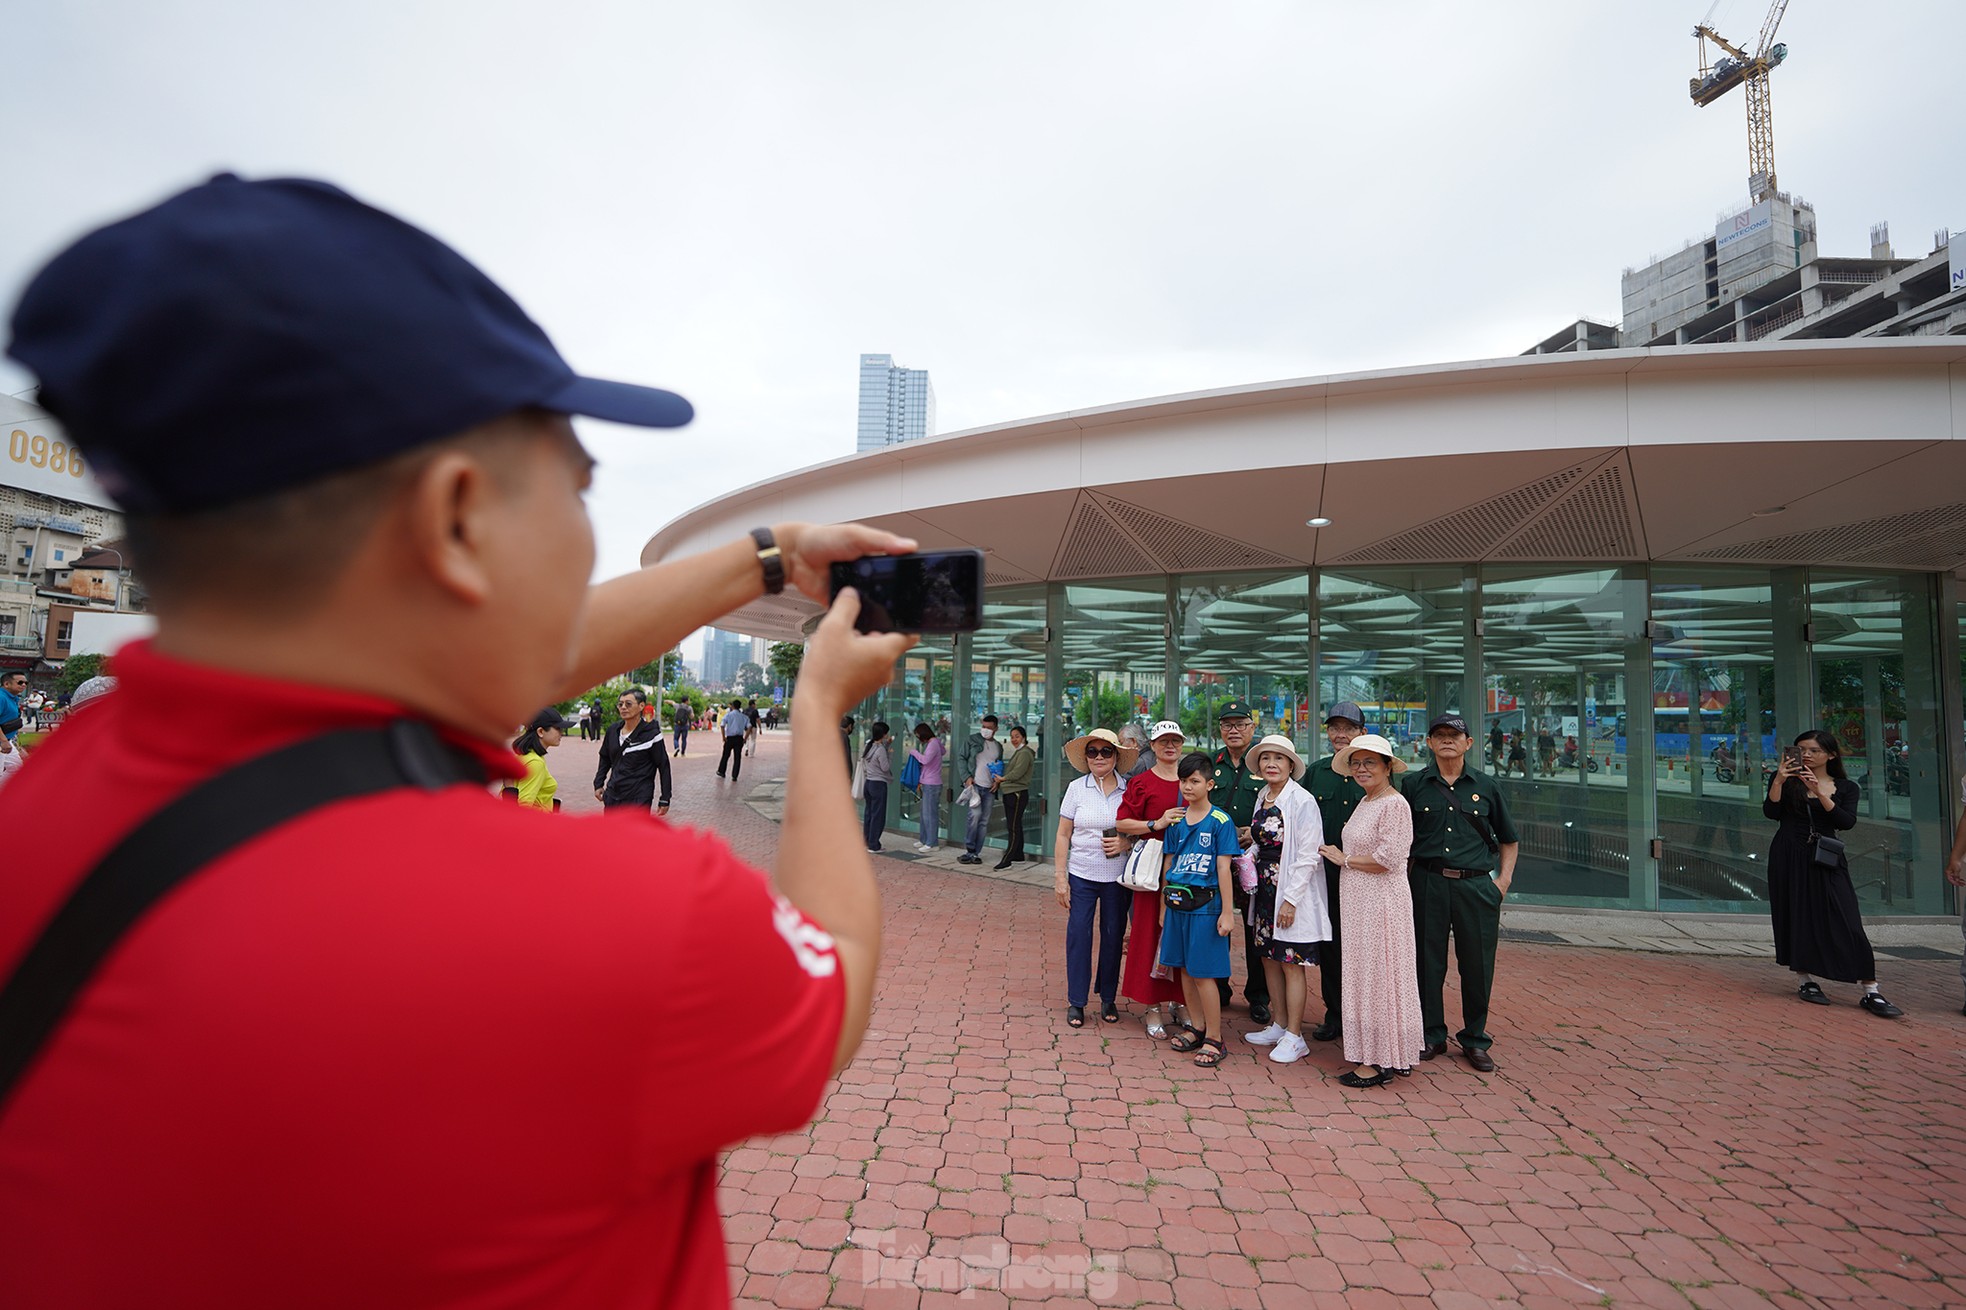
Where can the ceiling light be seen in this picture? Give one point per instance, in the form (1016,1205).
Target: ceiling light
(1318,522)
(1770,512)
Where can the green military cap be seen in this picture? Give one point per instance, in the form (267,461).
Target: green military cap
(1234,709)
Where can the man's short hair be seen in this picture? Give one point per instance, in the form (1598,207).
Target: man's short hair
(640,696)
(988,718)
(1195,762)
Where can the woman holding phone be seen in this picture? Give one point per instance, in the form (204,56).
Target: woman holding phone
(1818,930)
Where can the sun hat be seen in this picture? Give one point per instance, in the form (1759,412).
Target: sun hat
(1371,741)
(100,685)
(1075,750)
(1282,745)
(1166,728)
(245,337)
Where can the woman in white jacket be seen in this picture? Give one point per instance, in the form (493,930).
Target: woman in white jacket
(1290,915)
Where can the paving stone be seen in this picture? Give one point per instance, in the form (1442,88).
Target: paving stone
(1659,1119)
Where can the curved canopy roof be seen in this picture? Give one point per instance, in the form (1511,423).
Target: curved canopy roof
(1829,453)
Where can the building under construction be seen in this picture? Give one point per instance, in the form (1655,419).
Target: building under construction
(1760,277)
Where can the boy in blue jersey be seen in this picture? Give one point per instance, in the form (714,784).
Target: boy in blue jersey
(1197,916)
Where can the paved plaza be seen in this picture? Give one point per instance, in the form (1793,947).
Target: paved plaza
(1663,1130)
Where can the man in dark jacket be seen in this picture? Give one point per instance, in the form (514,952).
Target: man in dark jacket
(631,755)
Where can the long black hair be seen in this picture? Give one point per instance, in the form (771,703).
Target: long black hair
(527,743)
(1830,747)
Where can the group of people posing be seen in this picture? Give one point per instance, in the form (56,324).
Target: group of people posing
(1355,874)
(1361,867)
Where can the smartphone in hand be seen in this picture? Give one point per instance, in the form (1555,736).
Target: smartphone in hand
(928,591)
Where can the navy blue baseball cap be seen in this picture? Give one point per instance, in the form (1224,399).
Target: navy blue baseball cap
(245,337)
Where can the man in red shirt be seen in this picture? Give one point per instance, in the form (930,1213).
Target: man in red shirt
(416,1048)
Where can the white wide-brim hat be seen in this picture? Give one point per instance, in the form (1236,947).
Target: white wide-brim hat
(1282,746)
(1075,750)
(1371,741)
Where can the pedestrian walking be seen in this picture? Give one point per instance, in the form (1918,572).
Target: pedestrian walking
(632,759)
(735,725)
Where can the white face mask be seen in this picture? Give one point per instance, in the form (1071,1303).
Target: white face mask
(989,733)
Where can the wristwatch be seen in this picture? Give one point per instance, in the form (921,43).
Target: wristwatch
(770,560)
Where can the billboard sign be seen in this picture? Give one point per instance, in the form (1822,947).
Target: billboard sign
(39,457)
(1957,249)
(1753,221)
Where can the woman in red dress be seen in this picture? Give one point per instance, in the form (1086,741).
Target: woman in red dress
(1150,796)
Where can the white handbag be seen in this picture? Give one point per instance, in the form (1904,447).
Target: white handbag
(860,777)
(1142,872)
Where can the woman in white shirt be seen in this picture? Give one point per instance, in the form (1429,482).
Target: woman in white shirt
(1090,855)
(1291,917)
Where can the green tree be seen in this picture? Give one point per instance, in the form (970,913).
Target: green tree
(751,679)
(785,657)
(658,672)
(76,670)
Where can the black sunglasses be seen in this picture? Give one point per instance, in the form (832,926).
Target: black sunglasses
(1100,753)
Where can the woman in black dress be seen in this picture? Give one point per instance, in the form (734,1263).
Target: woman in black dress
(1814,907)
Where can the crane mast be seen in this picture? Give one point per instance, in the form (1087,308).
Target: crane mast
(1736,67)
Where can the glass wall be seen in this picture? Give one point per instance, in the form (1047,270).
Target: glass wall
(1245,637)
(1623,706)
(1396,642)
(923,693)
(1560,651)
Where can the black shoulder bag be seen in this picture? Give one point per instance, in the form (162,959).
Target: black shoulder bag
(1480,821)
(187,835)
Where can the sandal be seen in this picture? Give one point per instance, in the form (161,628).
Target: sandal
(1811,993)
(1212,1053)
(1155,1028)
(1075,1015)
(1110,1013)
(1189,1040)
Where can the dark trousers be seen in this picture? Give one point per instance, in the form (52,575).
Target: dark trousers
(1110,901)
(1470,908)
(874,822)
(1330,961)
(1255,984)
(1014,805)
(681,739)
(733,757)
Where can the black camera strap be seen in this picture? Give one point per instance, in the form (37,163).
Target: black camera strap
(189,834)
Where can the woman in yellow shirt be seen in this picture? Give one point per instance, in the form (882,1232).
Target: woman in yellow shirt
(541,735)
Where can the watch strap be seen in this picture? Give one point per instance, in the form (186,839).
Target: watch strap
(770,560)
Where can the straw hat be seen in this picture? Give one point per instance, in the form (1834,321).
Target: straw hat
(1371,741)
(1075,750)
(1282,746)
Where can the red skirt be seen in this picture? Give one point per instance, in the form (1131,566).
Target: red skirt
(1142,949)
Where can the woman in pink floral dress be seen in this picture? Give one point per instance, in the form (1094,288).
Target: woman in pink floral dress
(1383,1028)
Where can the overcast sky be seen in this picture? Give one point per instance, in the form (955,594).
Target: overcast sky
(1046,205)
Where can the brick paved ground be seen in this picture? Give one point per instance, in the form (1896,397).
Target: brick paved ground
(1662,1131)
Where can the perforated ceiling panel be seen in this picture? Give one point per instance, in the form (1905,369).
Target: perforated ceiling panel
(1474,532)
(1001,578)
(1593,521)
(1096,547)
(1928,538)
(1182,547)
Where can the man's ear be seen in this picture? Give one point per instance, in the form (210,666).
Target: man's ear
(452,510)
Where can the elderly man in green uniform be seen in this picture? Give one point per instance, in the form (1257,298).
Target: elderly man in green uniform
(1464,852)
(1235,792)
(1337,796)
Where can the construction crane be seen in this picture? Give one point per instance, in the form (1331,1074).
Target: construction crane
(1735,67)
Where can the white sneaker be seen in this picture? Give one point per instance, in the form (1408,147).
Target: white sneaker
(1269,1036)
(1291,1049)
